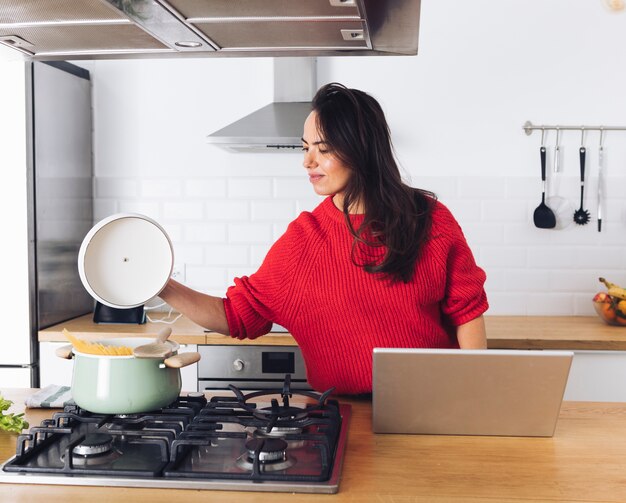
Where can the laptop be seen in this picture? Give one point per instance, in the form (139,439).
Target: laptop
(468,392)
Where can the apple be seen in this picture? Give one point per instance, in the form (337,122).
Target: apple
(601,297)
(605,307)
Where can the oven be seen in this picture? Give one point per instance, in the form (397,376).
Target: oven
(250,366)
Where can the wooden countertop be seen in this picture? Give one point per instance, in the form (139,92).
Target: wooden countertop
(503,332)
(585,461)
(184,331)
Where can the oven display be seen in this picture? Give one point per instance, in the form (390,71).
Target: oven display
(275,362)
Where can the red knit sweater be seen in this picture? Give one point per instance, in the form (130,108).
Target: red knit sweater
(338,313)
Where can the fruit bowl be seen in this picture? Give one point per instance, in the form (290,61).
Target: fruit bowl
(611,310)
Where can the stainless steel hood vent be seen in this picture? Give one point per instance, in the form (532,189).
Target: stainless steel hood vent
(99,29)
(277,126)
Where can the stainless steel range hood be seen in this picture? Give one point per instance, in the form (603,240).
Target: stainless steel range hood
(99,29)
(277,126)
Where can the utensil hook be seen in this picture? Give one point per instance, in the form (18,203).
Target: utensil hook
(558,136)
(582,136)
(601,136)
(543,135)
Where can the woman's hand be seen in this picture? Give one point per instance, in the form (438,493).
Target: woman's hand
(472,335)
(205,310)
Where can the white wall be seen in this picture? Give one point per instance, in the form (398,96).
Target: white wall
(456,112)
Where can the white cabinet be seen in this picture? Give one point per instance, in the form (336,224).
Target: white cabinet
(52,369)
(15,378)
(597,376)
(55,370)
(189,374)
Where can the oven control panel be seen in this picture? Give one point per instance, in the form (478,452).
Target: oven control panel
(250,367)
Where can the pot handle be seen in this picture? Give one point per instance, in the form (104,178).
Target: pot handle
(181,360)
(64,352)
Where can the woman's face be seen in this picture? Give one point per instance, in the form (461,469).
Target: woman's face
(327,173)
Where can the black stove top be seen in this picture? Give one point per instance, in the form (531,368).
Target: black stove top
(255,441)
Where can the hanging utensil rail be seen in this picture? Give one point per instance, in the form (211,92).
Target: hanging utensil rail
(529,127)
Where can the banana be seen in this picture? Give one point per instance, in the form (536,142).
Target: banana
(608,284)
(616,291)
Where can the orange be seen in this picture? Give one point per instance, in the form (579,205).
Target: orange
(606,311)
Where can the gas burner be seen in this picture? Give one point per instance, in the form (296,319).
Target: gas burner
(270,449)
(95,449)
(270,452)
(278,431)
(123,425)
(285,413)
(281,412)
(94,444)
(126,417)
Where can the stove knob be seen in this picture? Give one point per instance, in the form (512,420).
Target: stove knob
(238,365)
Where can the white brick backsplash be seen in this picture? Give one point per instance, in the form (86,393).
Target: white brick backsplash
(512,304)
(163,188)
(614,212)
(174,231)
(291,187)
(550,304)
(544,257)
(150,209)
(205,232)
(205,277)
(443,186)
(224,210)
(308,204)
(223,225)
(183,210)
(502,256)
(574,281)
(464,210)
(524,233)
(523,188)
(481,187)
(212,187)
(583,305)
(249,233)
(116,187)
(278,229)
(504,211)
(238,272)
(273,210)
(225,255)
(103,208)
(525,280)
(483,233)
(601,257)
(188,254)
(258,253)
(249,187)
(496,280)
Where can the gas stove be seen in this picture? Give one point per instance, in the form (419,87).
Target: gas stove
(258,441)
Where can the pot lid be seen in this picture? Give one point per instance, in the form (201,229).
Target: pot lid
(125,260)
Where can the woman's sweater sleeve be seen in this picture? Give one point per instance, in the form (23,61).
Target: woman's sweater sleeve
(254,303)
(465,297)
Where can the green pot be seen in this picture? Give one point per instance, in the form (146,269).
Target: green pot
(124,384)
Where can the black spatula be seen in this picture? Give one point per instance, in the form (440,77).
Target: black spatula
(581,215)
(544,217)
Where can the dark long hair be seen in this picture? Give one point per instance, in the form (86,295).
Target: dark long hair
(397,217)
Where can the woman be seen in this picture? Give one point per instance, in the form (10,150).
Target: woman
(376,264)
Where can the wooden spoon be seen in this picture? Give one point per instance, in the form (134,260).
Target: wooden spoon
(158,349)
